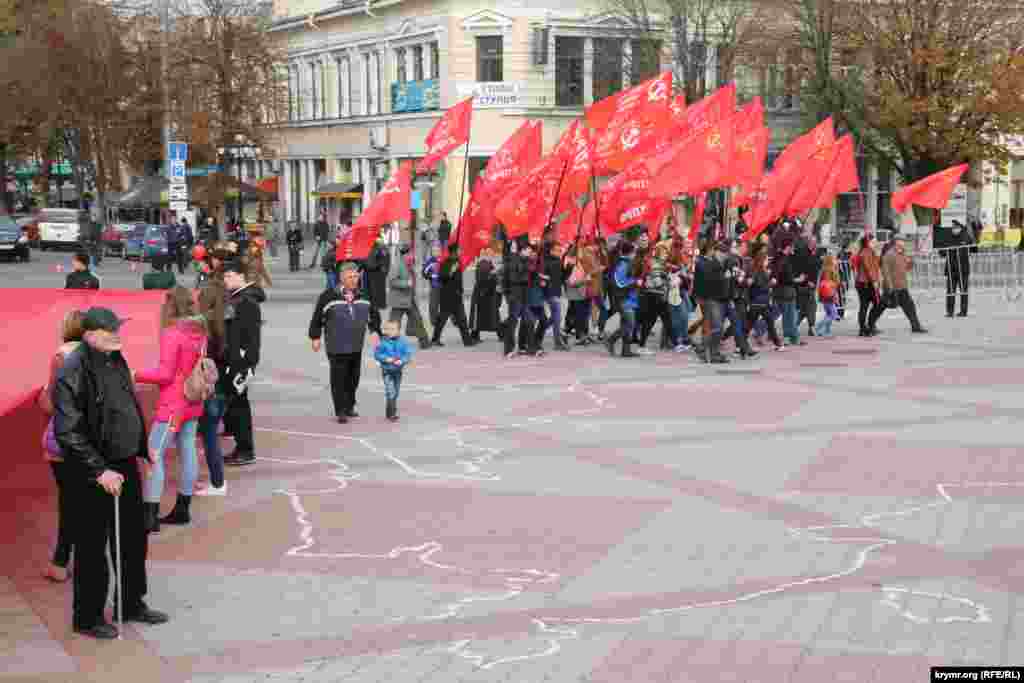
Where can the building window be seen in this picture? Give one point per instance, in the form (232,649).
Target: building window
(344,81)
(435,60)
(568,72)
(417,63)
(370,102)
(645,60)
(401,73)
(489,59)
(607,67)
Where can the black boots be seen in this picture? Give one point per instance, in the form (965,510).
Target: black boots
(151,517)
(179,515)
(951,305)
(963,305)
(611,341)
(714,350)
(626,351)
(391,410)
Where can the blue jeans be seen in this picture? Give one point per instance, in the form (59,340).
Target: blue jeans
(332,279)
(681,321)
(824,326)
(555,304)
(730,313)
(213,411)
(153,487)
(392,384)
(790,314)
(628,317)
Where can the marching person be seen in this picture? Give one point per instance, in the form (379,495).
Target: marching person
(452,306)
(402,286)
(894,273)
(377,266)
(869,280)
(517,280)
(343,315)
(625,284)
(242,322)
(101,431)
(294,239)
(80,277)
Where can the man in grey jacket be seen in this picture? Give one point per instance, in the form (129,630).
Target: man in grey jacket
(402,293)
(343,314)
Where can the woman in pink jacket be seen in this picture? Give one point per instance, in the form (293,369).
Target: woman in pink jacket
(182,343)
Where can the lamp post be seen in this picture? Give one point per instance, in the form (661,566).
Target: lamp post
(241,149)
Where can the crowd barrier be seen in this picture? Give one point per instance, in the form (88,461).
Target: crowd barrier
(994,272)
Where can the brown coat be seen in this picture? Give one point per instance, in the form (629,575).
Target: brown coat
(594,263)
(868,270)
(894,270)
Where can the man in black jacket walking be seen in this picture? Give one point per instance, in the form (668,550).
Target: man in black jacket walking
(452,305)
(958,269)
(320,234)
(99,426)
(242,322)
(806,262)
(516,281)
(343,313)
(294,239)
(80,277)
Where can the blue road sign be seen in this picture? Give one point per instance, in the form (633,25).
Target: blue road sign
(177,151)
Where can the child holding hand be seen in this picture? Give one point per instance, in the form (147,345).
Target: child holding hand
(393,354)
(828,287)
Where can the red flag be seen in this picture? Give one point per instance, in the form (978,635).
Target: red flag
(700,162)
(451,130)
(517,155)
(717,106)
(815,170)
(392,204)
(636,125)
(648,211)
(575,147)
(932,191)
(807,144)
(770,198)
(616,110)
(843,176)
(529,204)
(698,216)
(474,232)
(749,154)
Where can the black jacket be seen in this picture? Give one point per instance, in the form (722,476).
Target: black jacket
(553,269)
(378,264)
(344,324)
(958,255)
(81,279)
(517,277)
(444,231)
(451,283)
(320,230)
(242,322)
(806,263)
(783,272)
(294,236)
(709,281)
(83,413)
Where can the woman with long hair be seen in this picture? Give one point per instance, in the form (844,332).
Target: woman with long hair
(71,332)
(183,341)
(869,277)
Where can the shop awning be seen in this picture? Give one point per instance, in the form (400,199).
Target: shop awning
(339,191)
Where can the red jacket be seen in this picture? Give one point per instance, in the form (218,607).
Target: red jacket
(181,346)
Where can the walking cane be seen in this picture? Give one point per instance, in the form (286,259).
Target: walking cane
(118,596)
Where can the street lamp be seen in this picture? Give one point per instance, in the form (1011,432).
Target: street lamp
(241,149)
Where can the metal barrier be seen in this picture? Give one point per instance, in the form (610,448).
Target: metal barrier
(994,272)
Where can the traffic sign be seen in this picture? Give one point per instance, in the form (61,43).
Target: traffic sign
(178,206)
(177,172)
(177,151)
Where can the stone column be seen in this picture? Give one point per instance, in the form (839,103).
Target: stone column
(588,71)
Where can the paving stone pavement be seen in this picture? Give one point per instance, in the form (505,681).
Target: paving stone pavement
(846,511)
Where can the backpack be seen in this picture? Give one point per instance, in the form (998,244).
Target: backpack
(826,290)
(202,381)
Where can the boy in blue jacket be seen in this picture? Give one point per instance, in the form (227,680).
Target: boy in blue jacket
(393,354)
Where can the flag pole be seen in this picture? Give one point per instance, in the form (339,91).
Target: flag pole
(465,181)
(832,166)
(554,203)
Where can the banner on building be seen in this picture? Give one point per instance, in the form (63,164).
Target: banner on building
(493,95)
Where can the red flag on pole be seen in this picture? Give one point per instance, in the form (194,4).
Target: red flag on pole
(639,101)
(843,177)
(474,232)
(807,144)
(698,163)
(698,216)
(451,130)
(932,191)
(576,148)
(770,198)
(517,155)
(392,204)
(528,204)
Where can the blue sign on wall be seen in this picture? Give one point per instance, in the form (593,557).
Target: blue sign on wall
(177,151)
(416,96)
(415,200)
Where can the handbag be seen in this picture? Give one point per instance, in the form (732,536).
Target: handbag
(202,381)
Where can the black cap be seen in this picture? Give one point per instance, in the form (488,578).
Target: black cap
(102,319)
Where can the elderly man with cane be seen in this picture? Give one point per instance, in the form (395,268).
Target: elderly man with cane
(99,427)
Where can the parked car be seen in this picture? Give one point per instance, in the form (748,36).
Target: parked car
(62,228)
(13,242)
(145,241)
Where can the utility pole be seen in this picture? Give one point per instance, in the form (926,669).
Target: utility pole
(165,28)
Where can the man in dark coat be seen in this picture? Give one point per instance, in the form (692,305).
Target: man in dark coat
(101,431)
(484,314)
(451,298)
(242,340)
(344,313)
(320,235)
(444,229)
(294,239)
(402,295)
(958,269)
(806,262)
(377,265)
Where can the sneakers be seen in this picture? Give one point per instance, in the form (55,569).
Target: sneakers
(221,490)
(681,348)
(100,631)
(643,351)
(239,459)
